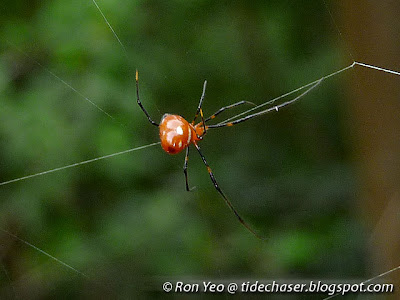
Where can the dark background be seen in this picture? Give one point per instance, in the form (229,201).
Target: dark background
(319,179)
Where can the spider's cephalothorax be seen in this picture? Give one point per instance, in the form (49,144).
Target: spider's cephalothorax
(176,133)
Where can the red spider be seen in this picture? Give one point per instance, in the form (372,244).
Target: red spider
(177,134)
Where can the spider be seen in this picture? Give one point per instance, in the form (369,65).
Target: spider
(177,134)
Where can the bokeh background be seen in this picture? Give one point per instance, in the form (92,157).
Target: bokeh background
(319,179)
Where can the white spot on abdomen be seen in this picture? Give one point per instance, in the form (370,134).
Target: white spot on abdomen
(179,130)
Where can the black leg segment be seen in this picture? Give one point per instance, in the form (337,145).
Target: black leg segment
(140,103)
(185,166)
(227,107)
(201,101)
(214,181)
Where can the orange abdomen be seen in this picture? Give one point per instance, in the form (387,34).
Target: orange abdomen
(175,133)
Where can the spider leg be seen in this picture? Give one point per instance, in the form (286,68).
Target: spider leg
(201,101)
(265,111)
(229,124)
(204,124)
(185,166)
(214,181)
(227,107)
(140,103)
(200,110)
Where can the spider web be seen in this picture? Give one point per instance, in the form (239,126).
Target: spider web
(16,193)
